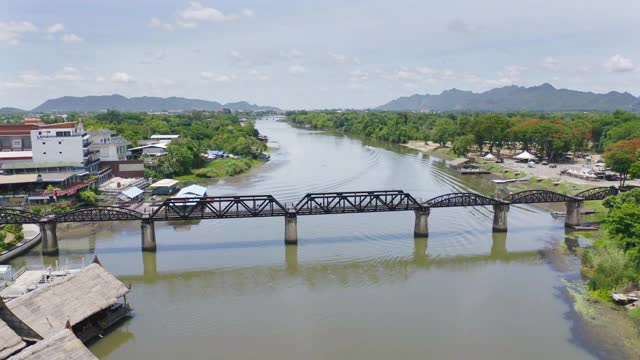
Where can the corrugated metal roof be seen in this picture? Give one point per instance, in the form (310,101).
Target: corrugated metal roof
(164,183)
(132,192)
(193,190)
(18,179)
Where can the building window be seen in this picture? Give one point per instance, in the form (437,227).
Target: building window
(59,142)
(44,143)
(60,152)
(45,153)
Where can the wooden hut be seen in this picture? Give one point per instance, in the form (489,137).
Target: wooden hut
(63,345)
(87,299)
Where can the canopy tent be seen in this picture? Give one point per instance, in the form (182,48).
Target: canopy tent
(525,155)
(489,157)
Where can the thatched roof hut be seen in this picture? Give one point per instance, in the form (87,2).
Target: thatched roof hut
(73,298)
(63,345)
(10,342)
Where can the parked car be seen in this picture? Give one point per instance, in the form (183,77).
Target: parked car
(544,162)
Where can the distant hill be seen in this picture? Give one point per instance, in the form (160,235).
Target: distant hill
(145,103)
(514,98)
(12,111)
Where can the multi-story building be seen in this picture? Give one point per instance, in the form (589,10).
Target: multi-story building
(63,143)
(16,137)
(107,146)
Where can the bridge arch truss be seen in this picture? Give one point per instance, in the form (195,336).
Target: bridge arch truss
(538,196)
(462,199)
(16,216)
(98,213)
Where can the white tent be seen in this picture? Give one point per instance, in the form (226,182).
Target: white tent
(489,157)
(525,156)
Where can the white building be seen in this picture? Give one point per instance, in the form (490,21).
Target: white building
(108,147)
(60,143)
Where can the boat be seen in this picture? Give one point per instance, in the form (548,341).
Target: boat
(499,181)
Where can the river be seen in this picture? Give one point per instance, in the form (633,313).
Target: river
(357,286)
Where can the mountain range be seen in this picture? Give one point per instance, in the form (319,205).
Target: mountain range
(134,104)
(515,98)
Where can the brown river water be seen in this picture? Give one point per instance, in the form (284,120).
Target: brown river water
(358,286)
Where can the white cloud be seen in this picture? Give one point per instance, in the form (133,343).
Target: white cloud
(196,12)
(100,79)
(217,78)
(550,63)
(421,74)
(12,31)
(249,13)
(157,24)
(122,77)
(297,70)
(619,63)
(507,76)
(256,74)
(357,79)
(461,27)
(69,69)
(358,75)
(72,38)
(55,28)
(292,54)
(343,59)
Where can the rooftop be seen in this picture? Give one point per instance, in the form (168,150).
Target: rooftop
(73,298)
(63,345)
(164,183)
(191,191)
(157,137)
(10,342)
(16,155)
(132,192)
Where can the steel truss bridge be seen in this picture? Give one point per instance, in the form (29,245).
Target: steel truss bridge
(231,207)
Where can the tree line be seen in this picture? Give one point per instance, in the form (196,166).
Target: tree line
(199,131)
(549,135)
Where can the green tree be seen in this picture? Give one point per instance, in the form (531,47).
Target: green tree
(444,131)
(621,156)
(462,145)
(88,197)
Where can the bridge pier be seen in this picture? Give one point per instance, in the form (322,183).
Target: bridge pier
(148,233)
(291,227)
(500,212)
(573,213)
(49,237)
(421,227)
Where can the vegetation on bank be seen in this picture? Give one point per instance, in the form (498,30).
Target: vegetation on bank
(9,235)
(221,168)
(613,264)
(550,135)
(199,131)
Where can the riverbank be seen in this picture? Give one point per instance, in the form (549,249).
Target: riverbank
(220,168)
(32,237)
(607,321)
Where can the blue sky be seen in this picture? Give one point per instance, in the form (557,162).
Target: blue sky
(311,54)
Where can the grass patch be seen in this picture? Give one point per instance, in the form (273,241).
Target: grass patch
(221,168)
(635,314)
